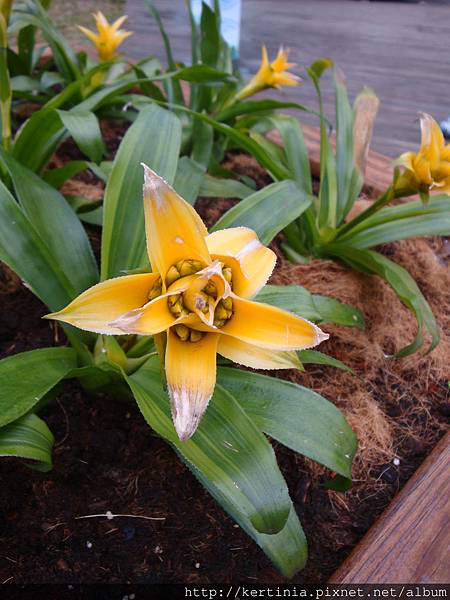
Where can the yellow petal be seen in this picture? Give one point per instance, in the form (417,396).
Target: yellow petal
(264,57)
(151,319)
(89,34)
(191,377)
(173,229)
(432,138)
(118,22)
(270,327)
(95,308)
(101,23)
(255,357)
(251,262)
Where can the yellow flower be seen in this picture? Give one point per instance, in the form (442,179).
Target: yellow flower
(199,294)
(108,38)
(274,74)
(428,169)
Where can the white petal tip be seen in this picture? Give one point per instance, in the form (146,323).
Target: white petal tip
(187,410)
(321,336)
(152,181)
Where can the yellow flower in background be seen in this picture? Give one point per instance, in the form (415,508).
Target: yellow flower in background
(429,169)
(199,295)
(274,74)
(108,38)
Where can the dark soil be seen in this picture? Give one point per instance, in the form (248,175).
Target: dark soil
(107,459)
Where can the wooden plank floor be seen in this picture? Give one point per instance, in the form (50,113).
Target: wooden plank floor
(399,49)
(409,543)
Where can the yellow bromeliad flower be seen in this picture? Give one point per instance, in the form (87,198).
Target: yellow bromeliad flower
(198,293)
(428,169)
(108,38)
(274,74)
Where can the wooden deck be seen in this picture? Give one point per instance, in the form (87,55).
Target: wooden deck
(398,49)
(409,542)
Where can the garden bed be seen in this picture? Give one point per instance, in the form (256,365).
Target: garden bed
(106,459)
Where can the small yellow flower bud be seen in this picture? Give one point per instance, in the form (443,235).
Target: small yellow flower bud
(228,274)
(195,336)
(172,275)
(182,332)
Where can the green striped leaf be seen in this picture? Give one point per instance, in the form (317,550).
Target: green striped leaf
(28,377)
(28,438)
(188,179)
(84,128)
(154,138)
(213,187)
(57,225)
(267,211)
(227,450)
(314,307)
(295,416)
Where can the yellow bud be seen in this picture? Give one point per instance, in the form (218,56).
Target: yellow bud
(227,303)
(172,275)
(182,332)
(227,273)
(195,336)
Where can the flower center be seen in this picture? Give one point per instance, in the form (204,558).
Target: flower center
(203,298)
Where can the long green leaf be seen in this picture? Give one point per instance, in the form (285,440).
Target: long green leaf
(84,128)
(314,307)
(256,106)
(314,357)
(57,225)
(295,416)
(188,179)
(24,251)
(227,450)
(402,283)
(213,187)
(422,225)
(267,211)
(154,138)
(28,376)
(28,438)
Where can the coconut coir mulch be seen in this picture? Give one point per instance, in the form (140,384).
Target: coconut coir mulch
(106,458)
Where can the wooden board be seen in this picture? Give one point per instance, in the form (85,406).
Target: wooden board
(409,543)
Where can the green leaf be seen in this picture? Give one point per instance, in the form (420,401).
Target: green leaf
(314,357)
(28,438)
(188,179)
(227,449)
(56,177)
(295,148)
(154,138)
(333,311)
(210,36)
(24,251)
(213,187)
(38,139)
(267,211)
(436,205)
(27,377)
(316,308)
(203,73)
(295,416)
(84,128)
(256,106)
(57,225)
(437,223)
(403,285)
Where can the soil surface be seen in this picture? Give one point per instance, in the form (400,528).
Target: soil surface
(107,459)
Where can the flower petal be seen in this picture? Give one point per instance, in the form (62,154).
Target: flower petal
(252,263)
(270,327)
(191,377)
(93,37)
(174,230)
(95,308)
(150,319)
(255,357)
